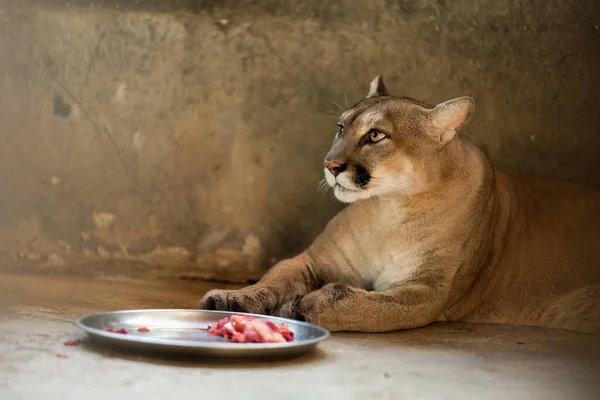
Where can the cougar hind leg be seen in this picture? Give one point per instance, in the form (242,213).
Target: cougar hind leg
(578,311)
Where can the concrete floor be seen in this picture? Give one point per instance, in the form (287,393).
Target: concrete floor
(451,361)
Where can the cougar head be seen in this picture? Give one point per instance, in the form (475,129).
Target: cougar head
(392,145)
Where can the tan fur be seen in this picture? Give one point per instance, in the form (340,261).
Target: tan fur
(435,235)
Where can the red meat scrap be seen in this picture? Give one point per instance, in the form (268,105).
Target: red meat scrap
(143,329)
(71,342)
(120,330)
(249,329)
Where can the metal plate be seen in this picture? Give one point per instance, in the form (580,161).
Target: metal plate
(185,332)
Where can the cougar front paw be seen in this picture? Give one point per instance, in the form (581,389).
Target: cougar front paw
(318,307)
(258,301)
(291,309)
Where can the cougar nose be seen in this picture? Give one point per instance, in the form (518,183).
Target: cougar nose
(335,168)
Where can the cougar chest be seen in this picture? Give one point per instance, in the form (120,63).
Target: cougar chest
(395,258)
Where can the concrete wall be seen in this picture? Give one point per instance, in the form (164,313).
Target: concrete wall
(189,135)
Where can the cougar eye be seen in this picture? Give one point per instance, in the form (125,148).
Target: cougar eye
(340,131)
(375,136)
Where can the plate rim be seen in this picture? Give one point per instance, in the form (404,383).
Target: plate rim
(198,344)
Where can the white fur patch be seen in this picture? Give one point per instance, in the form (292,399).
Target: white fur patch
(329,177)
(398,267)
(345,180)
(349,196)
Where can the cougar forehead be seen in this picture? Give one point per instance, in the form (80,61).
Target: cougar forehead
(397,111)
(380,104)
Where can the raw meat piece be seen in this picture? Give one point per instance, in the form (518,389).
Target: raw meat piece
(71,342)
(143,329)
(286,333)
(61,355)
(248,329)
(121,330)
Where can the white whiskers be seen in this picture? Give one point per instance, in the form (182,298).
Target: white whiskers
(322,186)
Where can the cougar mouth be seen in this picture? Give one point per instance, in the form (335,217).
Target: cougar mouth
(344,189)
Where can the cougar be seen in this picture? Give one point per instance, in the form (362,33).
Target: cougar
(434,233)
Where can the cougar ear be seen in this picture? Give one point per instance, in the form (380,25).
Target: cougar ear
(377,88)
(448,117)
